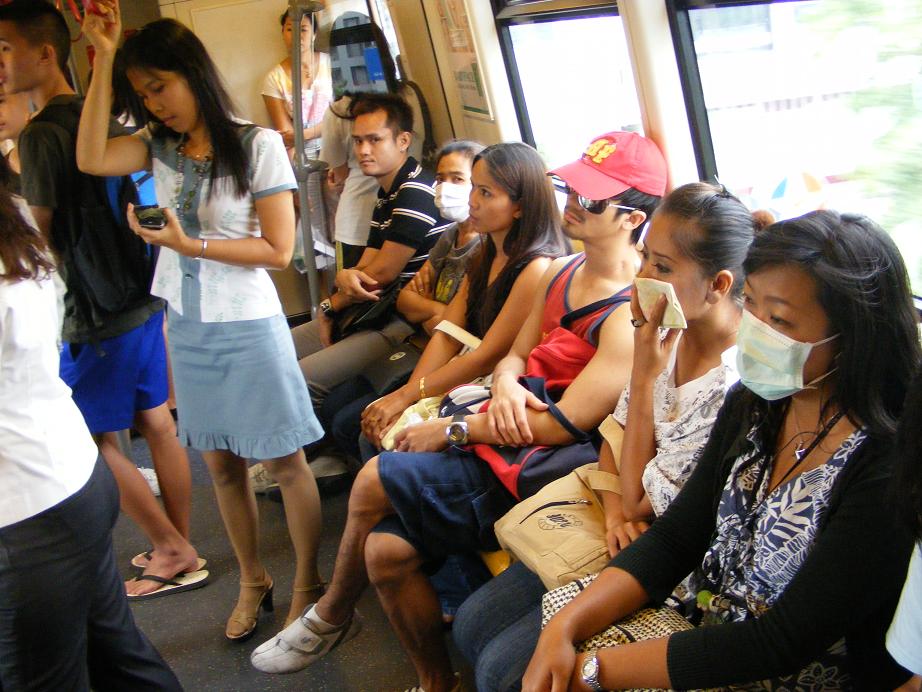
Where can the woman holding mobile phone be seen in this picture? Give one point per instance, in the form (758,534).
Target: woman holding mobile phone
(226,188)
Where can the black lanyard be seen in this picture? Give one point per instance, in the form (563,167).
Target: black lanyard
(753,506)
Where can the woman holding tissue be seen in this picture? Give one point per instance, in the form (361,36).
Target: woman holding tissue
(226,186)
(693,255)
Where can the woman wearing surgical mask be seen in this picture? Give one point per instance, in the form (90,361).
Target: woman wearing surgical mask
(796,557)
(423,300)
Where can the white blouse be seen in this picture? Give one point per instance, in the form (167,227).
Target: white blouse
(228,293)
(46,451)
(682,421)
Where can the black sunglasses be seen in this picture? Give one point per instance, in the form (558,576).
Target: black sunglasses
(593,206)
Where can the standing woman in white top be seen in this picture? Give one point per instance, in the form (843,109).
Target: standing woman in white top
(60,590)
(226,188)
(316,88)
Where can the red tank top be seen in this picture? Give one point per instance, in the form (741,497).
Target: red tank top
(586,321)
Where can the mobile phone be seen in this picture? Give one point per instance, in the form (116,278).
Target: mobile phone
(150,216)
(649,291)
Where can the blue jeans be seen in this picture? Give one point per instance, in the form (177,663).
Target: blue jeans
(497,628)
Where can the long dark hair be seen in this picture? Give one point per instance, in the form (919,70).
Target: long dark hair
(23,252)
(863,287)
(519,170)
(720,231)
(169,46)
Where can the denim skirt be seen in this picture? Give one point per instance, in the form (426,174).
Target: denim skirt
(238,387)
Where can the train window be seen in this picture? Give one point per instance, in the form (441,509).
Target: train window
(571,78)
(816,103)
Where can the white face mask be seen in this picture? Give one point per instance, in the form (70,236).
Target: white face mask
(770,363)
(452,201)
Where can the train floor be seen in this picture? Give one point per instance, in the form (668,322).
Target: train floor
(188,628)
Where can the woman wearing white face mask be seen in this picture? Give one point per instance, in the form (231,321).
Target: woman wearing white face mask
(785,523)
(424,299)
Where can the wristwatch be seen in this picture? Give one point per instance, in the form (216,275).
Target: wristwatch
(590,670)
(456,432)
(326,307)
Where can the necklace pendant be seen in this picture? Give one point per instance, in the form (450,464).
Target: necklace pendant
(800,452)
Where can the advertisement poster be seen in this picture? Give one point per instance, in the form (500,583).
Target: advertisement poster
(465,66)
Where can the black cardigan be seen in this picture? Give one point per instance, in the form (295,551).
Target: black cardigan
(848,585)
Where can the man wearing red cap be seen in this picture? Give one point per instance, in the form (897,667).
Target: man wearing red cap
(410,509)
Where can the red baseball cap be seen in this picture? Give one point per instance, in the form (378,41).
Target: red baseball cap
(614,162)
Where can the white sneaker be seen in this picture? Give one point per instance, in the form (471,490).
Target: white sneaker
(301,643)
(151,477)
(260,479)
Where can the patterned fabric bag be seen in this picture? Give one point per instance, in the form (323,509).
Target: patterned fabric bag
(646,623)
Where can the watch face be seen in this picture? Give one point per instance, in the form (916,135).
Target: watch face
(590,668)
(457,433)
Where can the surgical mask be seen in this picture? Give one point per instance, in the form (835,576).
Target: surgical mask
(770,363)
(452,201)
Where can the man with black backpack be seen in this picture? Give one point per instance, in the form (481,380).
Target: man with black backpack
(113,355)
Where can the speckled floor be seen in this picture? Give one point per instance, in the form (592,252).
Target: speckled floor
(188,628)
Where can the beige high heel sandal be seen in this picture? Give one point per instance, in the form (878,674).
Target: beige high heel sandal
(242,622)
(320,586)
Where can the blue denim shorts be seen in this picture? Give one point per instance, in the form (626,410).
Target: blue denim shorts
(446,503)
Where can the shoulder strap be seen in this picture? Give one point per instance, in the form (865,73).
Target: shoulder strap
(536,385)
(564,271)
(623,296)
(428,140)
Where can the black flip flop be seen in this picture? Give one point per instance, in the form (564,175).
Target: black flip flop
(184,581)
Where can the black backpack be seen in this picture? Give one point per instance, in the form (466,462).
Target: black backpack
(108,268)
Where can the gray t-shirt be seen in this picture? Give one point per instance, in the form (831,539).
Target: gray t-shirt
(450,263)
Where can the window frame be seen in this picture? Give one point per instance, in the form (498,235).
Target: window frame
(503,26)
(683,43)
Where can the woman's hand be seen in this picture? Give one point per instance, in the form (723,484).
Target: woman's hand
(380,414)
(506,414)
(651,353)
(420,284)
(553,664)
(171,236)
(428,436)
(619,534)
(104,30)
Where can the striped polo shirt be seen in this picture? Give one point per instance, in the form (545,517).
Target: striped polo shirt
(407,214)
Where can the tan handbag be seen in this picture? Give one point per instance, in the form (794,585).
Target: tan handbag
(559,532)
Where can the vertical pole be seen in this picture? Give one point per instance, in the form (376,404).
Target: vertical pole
(303,169)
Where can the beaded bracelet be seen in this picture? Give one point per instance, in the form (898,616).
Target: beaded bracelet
(422,388)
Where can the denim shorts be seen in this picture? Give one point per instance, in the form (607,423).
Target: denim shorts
(445,503)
